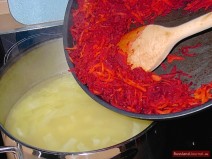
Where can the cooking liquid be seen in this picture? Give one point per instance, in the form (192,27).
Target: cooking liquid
(58,115)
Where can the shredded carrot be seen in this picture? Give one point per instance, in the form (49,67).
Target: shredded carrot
(172,58)
(99,63)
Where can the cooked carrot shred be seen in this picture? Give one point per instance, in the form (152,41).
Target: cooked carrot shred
(98,27)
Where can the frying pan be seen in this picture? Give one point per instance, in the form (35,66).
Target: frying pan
(199,68)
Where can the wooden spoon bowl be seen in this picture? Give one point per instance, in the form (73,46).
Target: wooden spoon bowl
(149,45)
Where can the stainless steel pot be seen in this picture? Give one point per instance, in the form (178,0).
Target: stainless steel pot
(31,67)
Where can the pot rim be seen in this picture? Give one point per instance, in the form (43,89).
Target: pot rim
(150,127)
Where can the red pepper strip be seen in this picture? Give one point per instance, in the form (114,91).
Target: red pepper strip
(196,5)
(164,66)
(171,58)
(185,50)
(156,77)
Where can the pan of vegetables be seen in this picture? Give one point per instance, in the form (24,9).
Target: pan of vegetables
(180,86)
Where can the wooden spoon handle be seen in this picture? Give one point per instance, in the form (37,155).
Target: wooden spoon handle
(194,26)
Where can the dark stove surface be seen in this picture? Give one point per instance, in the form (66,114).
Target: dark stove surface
(181,135)
(191,133)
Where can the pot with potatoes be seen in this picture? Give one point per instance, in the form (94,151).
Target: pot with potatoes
(45,113)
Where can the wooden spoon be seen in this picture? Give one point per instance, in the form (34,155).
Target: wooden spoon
(149,45)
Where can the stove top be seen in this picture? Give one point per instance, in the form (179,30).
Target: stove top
(191,135)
